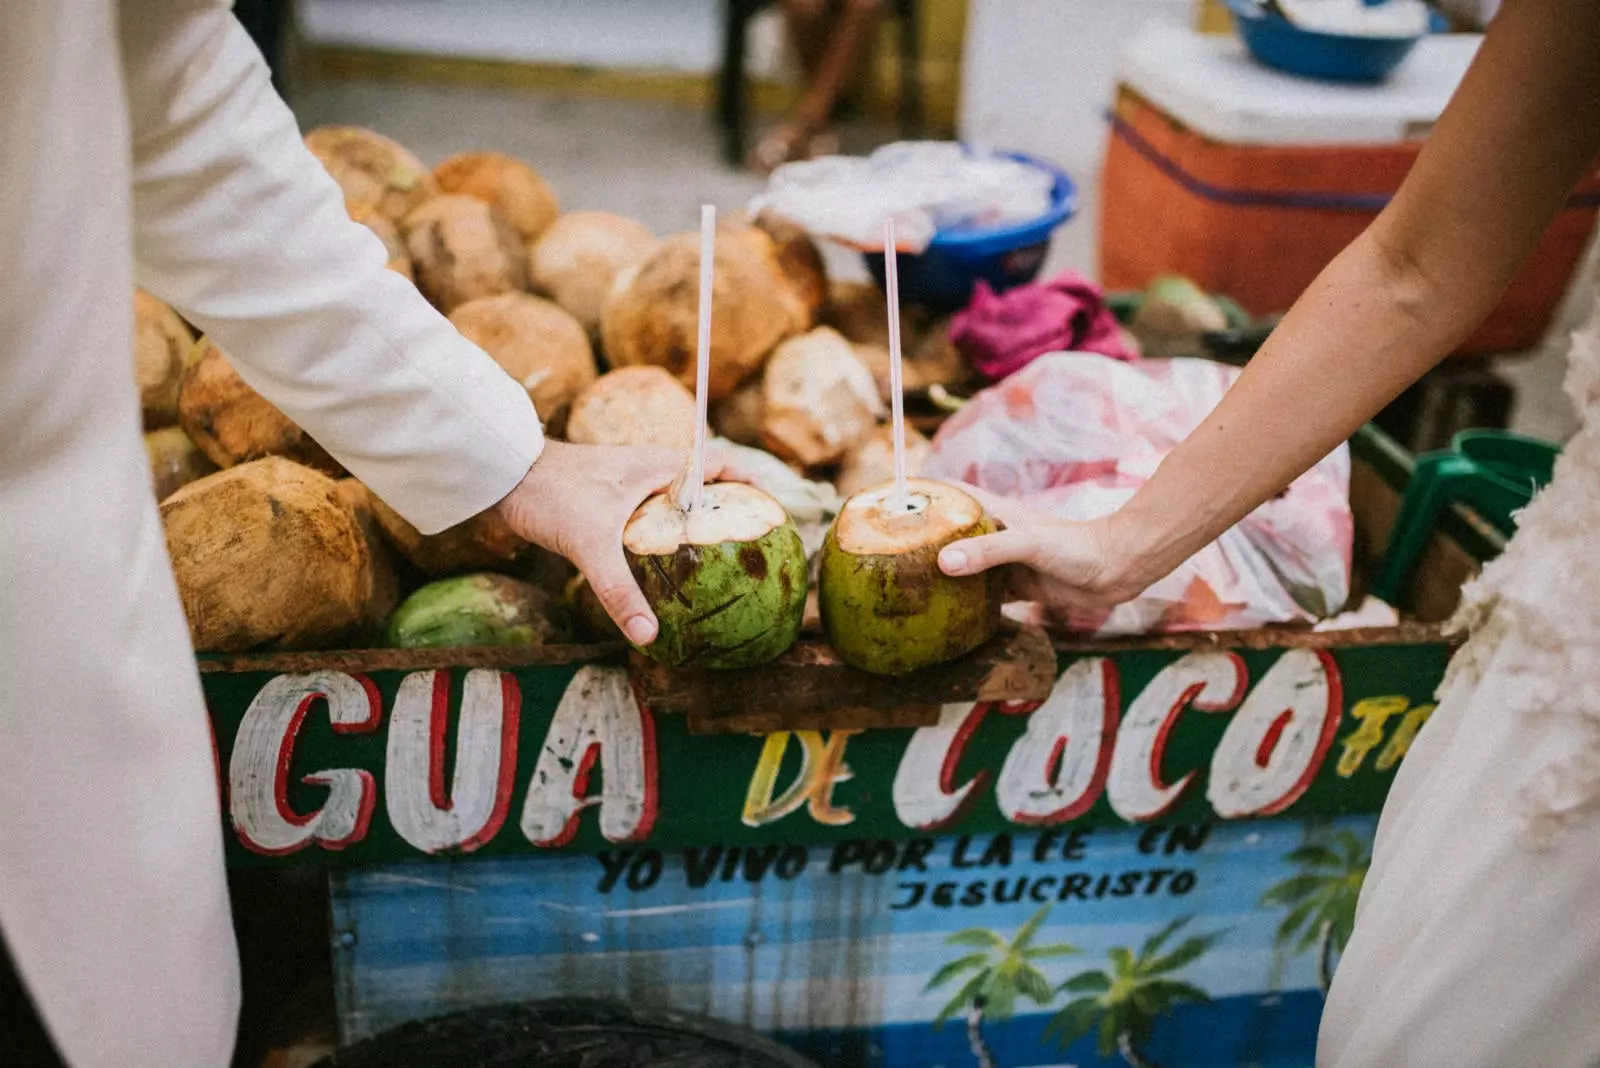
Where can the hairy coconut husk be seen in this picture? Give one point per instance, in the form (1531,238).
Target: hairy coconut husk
(577,259)
(175,461)
(537,343)
(485,542)
(374,172)
(462,249)
(651,316)
(478,609)
(384,593)
(886,607)
(871,461)
(233,424)
(267,556)
(860,311)
(935,362)
(634,406)
(162,347)
(738,416)
(801,262)
(389,234)
(509,185)
(820,399)
(727,581)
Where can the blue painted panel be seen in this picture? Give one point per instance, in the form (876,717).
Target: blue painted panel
(832,947)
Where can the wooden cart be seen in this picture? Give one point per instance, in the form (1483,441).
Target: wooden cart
(1105,852)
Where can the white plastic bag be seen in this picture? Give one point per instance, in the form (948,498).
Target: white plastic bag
(1076,434)
(925,186)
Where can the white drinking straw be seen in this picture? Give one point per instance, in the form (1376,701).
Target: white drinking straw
(891,279)
(702,372)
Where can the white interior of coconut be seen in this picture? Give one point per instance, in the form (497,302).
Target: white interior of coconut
(934,513)
(728,511)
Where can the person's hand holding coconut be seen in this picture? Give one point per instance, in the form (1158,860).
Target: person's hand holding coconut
(575,501)
(1068,568)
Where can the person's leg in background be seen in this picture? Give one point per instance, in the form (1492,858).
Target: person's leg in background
(267,22)
(832,38)
(22,1034)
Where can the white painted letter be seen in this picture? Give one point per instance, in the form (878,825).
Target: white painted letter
(258,771)
(925,794)
(597,714)
(1271,751)
(1057,769)
(1210,682)
(473,809)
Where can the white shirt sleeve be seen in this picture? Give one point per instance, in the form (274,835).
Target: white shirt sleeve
(237,226)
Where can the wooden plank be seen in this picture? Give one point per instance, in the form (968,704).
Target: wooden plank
(1017,665)
(767,721)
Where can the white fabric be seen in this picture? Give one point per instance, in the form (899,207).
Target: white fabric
(1477,939)
(112,897)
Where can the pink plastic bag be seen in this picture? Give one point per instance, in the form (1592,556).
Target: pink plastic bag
(1076,434)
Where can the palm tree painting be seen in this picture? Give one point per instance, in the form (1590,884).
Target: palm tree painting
(1001,971)
(1321,899)
(1122,1003)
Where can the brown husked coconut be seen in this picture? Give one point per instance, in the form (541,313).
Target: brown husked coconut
(505,183)
(871,461)
(373,171)
(162,347)
(485,542)
(634,406)
(737,416)
(267,556)
(936,362)
(462,249)
(389,234)
(860,312)
(383,595)
(820,399)
(651,316)
(537,343)
(801,261)
(576,261)
(175,460)
(233,424)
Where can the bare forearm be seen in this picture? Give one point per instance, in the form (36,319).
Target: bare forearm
(1364,331)
(1503,159)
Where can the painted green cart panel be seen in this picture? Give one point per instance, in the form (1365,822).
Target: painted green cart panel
(503,826)
(352,766)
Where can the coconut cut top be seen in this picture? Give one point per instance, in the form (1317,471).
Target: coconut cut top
(936,512)
(728,511)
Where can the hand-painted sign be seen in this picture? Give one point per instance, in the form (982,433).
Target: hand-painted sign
(350,766)
(1187,946)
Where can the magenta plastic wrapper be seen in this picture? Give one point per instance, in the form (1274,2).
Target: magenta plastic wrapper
(1077,434)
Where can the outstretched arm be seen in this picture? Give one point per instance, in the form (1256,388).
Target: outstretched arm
(238,227)
(1502,160)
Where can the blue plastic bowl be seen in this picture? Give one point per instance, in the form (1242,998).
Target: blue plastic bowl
(1327,56)
(944,274)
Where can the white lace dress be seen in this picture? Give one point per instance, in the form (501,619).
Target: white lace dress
(1478,936)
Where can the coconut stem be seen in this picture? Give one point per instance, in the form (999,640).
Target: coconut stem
(689,500)
(891,278)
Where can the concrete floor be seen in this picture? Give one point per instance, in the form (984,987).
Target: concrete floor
(659,163)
